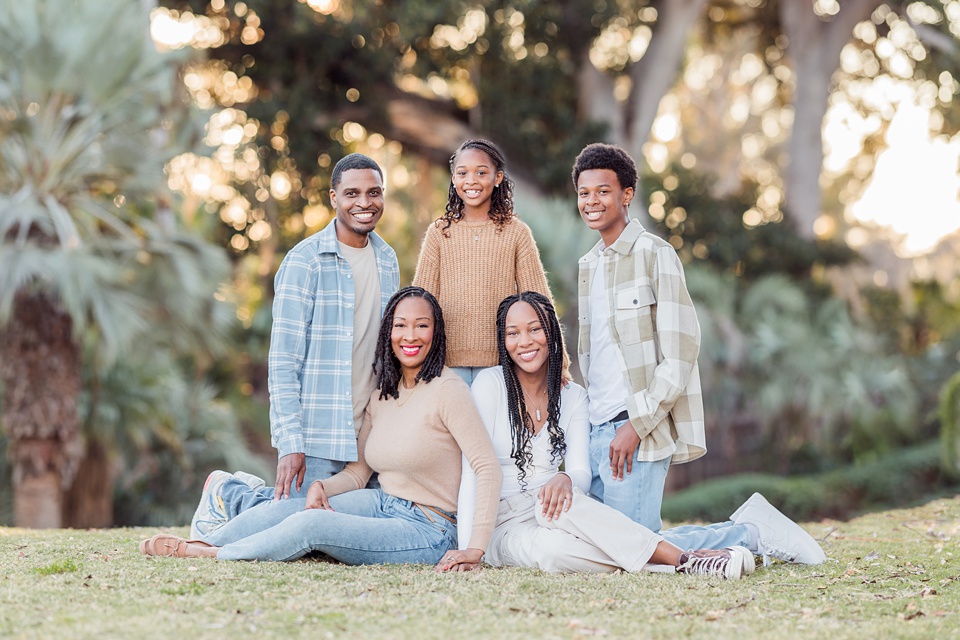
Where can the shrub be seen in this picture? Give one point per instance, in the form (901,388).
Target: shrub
(895,480)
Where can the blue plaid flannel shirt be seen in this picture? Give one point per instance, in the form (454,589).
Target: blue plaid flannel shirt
(311,346)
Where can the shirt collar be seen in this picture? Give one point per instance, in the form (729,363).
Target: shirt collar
(624,244)
(328,239)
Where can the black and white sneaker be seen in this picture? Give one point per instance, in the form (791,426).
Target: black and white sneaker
(731,563)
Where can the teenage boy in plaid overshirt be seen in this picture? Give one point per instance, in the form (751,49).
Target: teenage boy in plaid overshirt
(639,339)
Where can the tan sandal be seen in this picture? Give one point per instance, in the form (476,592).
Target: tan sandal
(170,546)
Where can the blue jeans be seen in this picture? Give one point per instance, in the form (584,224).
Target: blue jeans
(366,526)
(238,497)
(711,536)
(468,373)
(640,494)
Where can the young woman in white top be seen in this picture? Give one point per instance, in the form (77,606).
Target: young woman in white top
(536,422)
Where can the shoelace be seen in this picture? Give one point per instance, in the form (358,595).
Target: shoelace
(713,565)
(777,553)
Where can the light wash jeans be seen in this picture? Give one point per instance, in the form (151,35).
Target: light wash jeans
(367,526)
(640,494)
(238,497)
(468,373)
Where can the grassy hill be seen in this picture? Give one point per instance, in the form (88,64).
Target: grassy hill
(894,574)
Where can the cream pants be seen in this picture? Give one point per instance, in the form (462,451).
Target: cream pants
(590,537)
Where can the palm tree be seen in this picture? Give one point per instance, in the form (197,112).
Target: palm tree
(89,256)
(817,378)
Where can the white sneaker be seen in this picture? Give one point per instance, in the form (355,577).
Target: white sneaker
(779,536)
(254,482)
(754,498)
(211,514)
(726,563)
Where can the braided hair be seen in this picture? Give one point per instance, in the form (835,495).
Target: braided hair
(386,367)
(521,426)
(501,202)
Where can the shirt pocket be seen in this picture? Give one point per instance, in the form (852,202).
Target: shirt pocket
(633,314)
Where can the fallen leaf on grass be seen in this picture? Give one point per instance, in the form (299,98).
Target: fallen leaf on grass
(927,592)
(714,615)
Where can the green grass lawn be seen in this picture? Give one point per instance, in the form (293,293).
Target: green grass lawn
(888,575)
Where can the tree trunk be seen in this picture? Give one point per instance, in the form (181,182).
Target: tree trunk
(656,72)
(814,46)
(37,494)
(40,369)
(652,77)
(88,503)
(595,99)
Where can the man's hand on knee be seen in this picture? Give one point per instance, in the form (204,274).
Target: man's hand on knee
(290,468)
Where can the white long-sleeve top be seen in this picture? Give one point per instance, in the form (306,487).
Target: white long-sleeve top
(490,396)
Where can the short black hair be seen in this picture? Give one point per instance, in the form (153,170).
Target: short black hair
(352,161)
(606,156)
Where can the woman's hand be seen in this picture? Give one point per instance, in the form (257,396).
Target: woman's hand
(556,496)
(317,497)
(466,560)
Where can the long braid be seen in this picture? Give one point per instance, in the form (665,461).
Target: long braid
(501,202)
(521,426)
(386,367)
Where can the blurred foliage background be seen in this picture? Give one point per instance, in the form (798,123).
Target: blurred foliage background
(158,158)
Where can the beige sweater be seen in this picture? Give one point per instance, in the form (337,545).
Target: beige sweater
(417,449)
(470,273)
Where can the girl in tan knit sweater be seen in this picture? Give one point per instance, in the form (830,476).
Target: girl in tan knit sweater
(476,254)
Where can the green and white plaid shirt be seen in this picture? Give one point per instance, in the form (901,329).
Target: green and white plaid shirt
(656,335)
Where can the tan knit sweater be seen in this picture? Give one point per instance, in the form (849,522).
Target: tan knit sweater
(417,448)
(470,273)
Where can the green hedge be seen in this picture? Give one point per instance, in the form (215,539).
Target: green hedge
(895,480)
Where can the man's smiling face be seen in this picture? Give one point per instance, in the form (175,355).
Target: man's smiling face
(358,201)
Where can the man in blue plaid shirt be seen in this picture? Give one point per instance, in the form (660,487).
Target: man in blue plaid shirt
(330,292)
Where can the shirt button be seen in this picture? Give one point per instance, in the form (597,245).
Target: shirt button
(634,302)
(350,333)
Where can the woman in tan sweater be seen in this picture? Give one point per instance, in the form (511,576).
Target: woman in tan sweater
(477,254)
(419,424)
